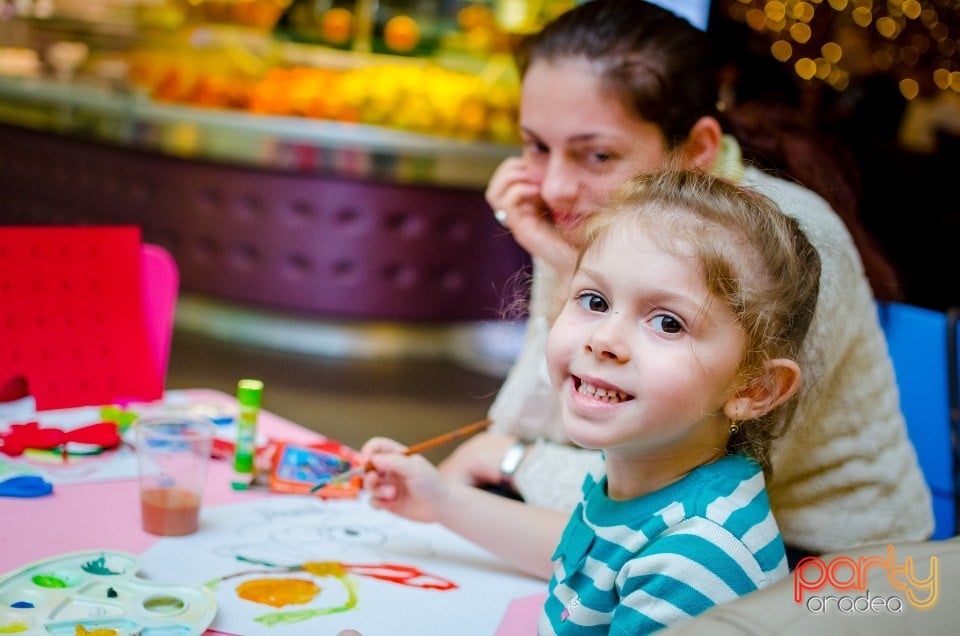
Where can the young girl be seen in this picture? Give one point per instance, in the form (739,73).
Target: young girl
(675,354)
(616,88)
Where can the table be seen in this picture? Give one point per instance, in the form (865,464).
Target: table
(105,515)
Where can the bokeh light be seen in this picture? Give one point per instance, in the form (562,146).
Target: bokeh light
(830,41)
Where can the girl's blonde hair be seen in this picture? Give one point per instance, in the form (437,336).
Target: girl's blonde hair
(755,259)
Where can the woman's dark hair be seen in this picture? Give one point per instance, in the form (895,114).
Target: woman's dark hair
(666,72)
(658,64)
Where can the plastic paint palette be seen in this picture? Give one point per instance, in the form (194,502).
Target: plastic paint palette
(97,593)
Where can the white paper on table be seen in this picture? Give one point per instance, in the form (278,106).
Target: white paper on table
(236,540)
(117,463)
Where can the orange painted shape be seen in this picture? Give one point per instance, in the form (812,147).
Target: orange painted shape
(278,592)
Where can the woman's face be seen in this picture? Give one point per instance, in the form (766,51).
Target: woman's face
(579,142)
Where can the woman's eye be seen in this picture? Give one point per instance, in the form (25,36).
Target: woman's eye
(533,147)
(668,324)
(597,159)
(593,302)
(601,157)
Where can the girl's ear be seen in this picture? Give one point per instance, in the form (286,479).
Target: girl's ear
(703,144)
(780,381)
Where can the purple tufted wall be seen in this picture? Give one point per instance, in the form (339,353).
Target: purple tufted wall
(320,245)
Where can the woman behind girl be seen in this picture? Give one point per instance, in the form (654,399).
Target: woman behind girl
(676,354)
(616,88)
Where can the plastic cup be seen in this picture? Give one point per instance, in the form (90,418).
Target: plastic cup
(173,455)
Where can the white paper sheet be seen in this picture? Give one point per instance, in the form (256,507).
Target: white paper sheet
(235,542)
(118,463)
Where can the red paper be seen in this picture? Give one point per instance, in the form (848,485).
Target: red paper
(71,315)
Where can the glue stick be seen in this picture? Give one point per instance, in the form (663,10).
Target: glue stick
(249,395)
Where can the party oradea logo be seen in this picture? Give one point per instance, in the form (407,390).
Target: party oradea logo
(840,584)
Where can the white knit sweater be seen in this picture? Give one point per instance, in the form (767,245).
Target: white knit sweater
(845,473)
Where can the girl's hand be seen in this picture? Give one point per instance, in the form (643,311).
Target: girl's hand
(476,461)
(406,485)
(514,193)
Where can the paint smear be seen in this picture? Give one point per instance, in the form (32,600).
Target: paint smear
(325,568)
(278,592)
(47,580)
(99,566)
(99,631)
(14,628)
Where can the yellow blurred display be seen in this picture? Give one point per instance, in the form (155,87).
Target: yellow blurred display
(425,98)
(404,65)
(436,67)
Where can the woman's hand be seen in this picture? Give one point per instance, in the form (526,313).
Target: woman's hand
(477,460)
(406,485)
(514,193)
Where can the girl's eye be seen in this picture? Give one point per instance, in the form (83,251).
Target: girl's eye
(592,302)
(668,324)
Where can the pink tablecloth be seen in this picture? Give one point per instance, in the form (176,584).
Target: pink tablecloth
(106,515)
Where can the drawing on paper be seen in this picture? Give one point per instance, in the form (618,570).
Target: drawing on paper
(279,565)
(283,591)
(306,534)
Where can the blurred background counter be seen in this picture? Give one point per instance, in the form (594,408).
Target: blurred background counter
(308,170)
(325,160)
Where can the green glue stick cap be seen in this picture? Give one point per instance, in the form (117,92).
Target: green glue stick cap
(250,392)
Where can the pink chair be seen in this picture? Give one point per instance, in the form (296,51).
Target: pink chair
(160,279)
(86,314)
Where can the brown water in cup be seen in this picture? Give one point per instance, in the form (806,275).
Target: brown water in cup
(173,453)
(170,512)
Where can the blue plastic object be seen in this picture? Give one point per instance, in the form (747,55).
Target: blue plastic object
(25,486)
(922,345)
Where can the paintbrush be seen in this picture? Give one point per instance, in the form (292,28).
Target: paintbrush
(420,447)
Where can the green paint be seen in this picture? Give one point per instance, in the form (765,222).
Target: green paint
(48,580)
(164,604)
(98,566)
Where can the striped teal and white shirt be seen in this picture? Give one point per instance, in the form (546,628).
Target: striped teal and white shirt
(632,567)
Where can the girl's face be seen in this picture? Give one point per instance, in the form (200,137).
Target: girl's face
(579,142)
(643,355)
